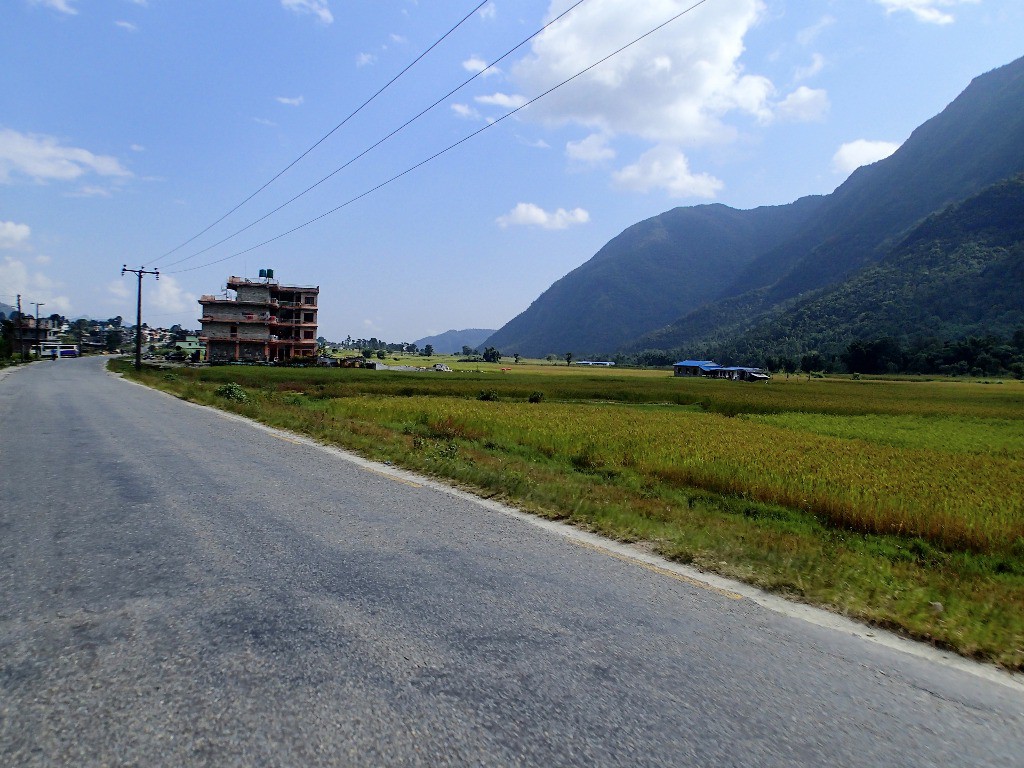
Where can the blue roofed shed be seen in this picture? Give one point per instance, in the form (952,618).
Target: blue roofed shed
(694,367)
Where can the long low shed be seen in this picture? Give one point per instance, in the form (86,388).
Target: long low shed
(711,369)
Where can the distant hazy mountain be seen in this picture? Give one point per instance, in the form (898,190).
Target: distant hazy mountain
(6,309)
(706,274)
(452,342)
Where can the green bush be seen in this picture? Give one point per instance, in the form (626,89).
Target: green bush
(232,391)
(489,395)
(536,397)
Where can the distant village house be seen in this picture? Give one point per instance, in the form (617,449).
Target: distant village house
(711,369)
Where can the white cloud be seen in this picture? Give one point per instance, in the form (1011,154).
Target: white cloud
(63,6)
(397,39)
(465,111)
(805,73)
(803,105)
(44,158)
(505,100)
(118,289)
(43,259)
(489,11)
(16,277)
(593,149)
(13,235)
(167,295)
(534,143)
(853,154)
(126,25)
(665,167)
(318,8)
(927,11)
(137,148)
(365,58)
(808,35)
(476,65)
(676,86)
(530,215)
(295,102)
(264,121)
(91,191)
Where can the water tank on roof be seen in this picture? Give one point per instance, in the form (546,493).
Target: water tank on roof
(270,274)
(263,273)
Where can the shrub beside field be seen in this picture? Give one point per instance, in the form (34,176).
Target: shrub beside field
(901,503)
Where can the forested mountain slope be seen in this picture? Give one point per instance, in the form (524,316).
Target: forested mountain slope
(646,276)
(976,141)
(960,273)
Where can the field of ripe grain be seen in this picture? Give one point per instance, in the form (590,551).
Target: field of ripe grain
(953,499)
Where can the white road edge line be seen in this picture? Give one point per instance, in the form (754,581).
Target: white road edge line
(816,616)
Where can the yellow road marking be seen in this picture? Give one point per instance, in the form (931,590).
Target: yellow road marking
(661,571)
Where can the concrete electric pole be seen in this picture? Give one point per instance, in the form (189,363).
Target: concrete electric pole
(138,315)
(21,330)
(39,347)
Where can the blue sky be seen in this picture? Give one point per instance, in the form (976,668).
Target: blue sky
(129,126)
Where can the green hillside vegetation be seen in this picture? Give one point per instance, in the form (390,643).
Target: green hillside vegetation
(973,143)
(957,275)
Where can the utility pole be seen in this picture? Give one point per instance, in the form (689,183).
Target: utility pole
(138,314)
(21,331)
(39,347)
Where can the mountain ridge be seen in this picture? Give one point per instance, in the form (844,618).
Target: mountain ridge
(720,269)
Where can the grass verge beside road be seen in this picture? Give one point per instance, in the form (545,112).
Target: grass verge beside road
(898,503)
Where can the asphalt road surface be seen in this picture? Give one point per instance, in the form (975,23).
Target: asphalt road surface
(182,588)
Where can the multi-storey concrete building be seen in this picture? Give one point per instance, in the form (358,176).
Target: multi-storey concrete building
(28,335)
(264,321)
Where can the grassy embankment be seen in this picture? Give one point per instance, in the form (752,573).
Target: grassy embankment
(878,499)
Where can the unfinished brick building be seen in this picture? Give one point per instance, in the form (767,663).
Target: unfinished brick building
(263,322)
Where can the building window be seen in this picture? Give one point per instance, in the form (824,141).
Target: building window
(307,334)
(307,317)
(234,331)
(309,299)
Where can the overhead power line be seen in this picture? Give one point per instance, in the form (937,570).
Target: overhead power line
(372,147)
(327,135)
(450,147)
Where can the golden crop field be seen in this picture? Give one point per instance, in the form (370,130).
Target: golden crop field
(957,500)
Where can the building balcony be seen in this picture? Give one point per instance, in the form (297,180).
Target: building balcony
(295,342)
(221,301)
(217,338)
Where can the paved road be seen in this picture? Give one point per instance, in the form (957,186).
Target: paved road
(180,588)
